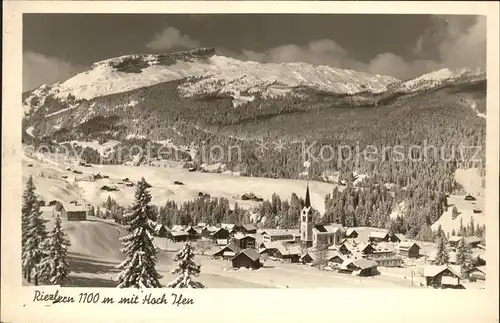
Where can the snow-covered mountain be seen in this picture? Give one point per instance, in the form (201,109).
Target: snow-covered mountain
(205,72)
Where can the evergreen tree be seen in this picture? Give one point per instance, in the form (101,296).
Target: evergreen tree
(138,269)
(186,268)
(442,256)
(320,254)
(454,212)
(33,233)
(464,257)
(54,266)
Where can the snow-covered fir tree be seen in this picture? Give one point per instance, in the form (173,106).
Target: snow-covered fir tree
(186,269)
(139,268)
(442,256)
(54,266)
(464,257)
(33,233)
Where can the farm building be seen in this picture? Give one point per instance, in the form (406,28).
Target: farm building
(335,257)
(228,226)
(227,252)
(244,241)
(221,242)
(178,236)
(160,231)
(409,249)
(390,261)
(75,212)
(382,250)
(248,258)
(441,276)
(377,236)
(360,267)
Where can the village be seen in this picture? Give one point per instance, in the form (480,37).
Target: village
(330,248)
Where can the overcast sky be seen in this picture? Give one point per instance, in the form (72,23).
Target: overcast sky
(56,46)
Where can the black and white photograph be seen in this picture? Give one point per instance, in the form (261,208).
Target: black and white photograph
(254,151)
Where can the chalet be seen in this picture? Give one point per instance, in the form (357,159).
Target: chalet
(287,254)
(53,203)
(228,226)
(248,228)
(469,198)
(382,249)
(218,234)
(178,183)
(400,237)
(330,234)
(473,241)
(475,210)
(476,273)
(390,261)
(129,184)
(244,241)
(160,231)
(178,236)
(360,267)
(409,249)
(454,240)
(75,212)
(227,252)
(441,276)
(247,258)
(306,259)
(335,258)
(178,227)
(351,233)
(378,236)
(194,234)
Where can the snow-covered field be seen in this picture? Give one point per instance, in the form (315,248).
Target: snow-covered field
(162,181)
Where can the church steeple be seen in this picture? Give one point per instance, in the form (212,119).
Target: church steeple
(307,202)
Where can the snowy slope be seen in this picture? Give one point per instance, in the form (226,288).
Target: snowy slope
(440,77)
(207,74)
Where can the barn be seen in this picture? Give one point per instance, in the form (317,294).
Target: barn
(160,231)
(441,276)
(248,258)
(178,236)
(75,212)
(227,252)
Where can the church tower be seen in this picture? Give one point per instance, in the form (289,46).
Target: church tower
(306,222)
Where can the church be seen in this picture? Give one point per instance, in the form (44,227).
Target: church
(312,234)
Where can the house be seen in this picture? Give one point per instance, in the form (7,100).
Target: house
(469,198)
(219,234)
(441,276)
(178,227)
(228,226)
(351,233)
(476,273)
(285,253)
(453,241)
(227,252)
(335,258)
(409,249)
(221,242)
(400,237)
(74,212)
(247,258)
(382,250)
(194,233)
(359,267)
(160,231)
(328,234)
(178,236)
(378,236)
(473,241)
(476,210)
(278,235)
(306,259)
(248,228)
(243,241)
